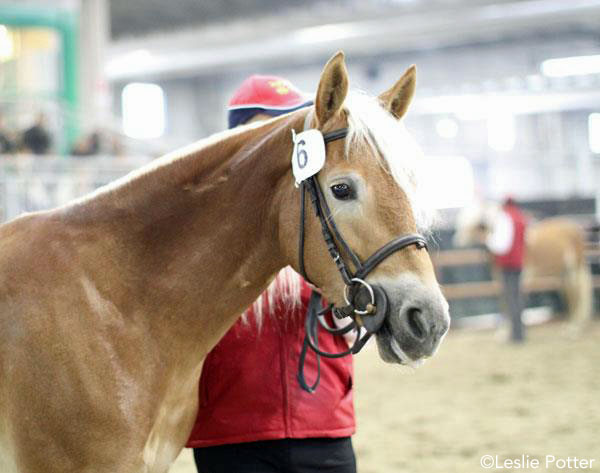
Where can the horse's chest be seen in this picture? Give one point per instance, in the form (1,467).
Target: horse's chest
(159,452)
(170,431)
(7,460)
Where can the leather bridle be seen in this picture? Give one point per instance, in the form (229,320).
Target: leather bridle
(366,304)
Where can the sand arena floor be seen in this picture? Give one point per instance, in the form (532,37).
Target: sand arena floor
(478,397)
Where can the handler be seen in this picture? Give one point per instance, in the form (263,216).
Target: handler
(253,415)
(506,241)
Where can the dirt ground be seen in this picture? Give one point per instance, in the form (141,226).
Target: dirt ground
(478,397)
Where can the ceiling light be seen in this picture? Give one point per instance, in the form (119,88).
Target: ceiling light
(501,131)
(6,44)
(594,132)
(571,66)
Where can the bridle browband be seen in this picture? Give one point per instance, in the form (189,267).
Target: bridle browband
(366,304)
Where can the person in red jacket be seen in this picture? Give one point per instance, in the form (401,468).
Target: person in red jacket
(506,241)
(253,415)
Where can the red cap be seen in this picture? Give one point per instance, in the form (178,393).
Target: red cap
(267,92)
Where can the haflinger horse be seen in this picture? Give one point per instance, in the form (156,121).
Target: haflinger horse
(110,304)
(554,248)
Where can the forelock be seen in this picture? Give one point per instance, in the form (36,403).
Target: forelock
(398,152)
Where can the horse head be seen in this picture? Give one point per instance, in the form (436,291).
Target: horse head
(474,223)
(368,185)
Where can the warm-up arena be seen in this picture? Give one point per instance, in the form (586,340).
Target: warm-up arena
(554,247)
(109,305)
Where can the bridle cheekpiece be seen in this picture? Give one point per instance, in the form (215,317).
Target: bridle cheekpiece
(366,304)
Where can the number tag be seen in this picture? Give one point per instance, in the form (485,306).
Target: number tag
(308,156)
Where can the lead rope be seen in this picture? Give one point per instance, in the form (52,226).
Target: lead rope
(315,301)
(314,315)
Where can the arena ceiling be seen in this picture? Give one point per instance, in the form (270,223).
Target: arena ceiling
(136,17)
(179,37)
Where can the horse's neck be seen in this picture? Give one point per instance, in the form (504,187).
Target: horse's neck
(197,235)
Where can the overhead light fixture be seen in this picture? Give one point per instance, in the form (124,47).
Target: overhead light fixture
(594,132)
(6,44)
(501,131)
(143,108)
(130,61)
(325,33)
(571,66)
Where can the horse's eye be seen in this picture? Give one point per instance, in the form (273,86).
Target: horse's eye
(342,191)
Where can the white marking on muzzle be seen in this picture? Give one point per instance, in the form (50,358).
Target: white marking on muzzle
(407,360)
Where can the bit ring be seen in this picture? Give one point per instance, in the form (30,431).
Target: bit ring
(370,307)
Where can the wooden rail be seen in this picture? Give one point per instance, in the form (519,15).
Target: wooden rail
(472,290)
(479,256)
(460,257)
(480,289)
(592,251)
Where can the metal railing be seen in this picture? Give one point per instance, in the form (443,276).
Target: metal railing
(30,183)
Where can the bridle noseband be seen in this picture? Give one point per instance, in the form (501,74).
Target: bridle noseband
(366,304)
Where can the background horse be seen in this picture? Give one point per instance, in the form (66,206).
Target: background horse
(554,248)
(109,305)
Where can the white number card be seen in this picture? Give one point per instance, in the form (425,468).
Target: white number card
(308,156)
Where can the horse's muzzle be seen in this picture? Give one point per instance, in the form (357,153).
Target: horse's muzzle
(414,326)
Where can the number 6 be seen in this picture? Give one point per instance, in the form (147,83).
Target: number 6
(301,154)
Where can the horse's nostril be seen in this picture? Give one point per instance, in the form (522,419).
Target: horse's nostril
(415,323)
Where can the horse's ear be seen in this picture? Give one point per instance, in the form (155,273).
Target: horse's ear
(333,87)
(397,99)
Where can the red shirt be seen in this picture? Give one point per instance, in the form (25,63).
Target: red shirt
(513,259)
(249,389)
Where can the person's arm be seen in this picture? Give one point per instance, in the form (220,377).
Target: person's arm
(341,323)
(501,236)
(350,337)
